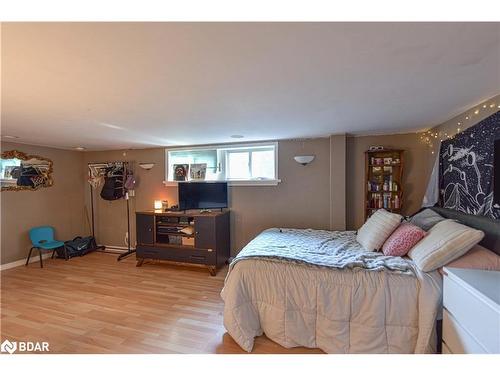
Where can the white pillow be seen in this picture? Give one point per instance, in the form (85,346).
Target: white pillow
(445,241)
(377,229)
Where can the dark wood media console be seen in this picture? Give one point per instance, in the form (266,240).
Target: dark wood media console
(159,237)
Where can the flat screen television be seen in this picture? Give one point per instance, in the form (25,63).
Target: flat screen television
(496,175)
(202,195)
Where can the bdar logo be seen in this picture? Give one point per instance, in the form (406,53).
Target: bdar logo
(9,347)
(24,346)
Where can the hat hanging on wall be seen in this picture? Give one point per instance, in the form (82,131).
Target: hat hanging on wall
(304,159)
(146,166)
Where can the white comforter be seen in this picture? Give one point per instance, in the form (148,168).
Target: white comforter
(336,310)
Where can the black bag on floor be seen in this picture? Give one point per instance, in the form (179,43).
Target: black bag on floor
(77,247)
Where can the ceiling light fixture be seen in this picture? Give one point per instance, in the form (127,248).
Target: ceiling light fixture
(79,148)
(237,136)
(10,136)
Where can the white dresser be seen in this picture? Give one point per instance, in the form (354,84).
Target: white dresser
(471,316)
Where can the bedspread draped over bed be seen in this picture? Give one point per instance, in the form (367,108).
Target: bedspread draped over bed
(319,289)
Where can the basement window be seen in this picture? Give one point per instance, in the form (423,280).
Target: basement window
(241,164)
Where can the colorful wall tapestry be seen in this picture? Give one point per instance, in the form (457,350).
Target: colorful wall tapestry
(466,169)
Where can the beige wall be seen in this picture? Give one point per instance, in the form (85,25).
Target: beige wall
(308,196)
(60,206)
(415,172)
(301,200)
(338,182)
(418,160)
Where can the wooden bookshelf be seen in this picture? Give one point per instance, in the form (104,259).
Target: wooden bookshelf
(383,181)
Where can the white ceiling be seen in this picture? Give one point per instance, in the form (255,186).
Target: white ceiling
(130,85)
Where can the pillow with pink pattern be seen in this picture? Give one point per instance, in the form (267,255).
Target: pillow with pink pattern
(402,240)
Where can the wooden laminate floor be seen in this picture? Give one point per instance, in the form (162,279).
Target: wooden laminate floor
(95,304)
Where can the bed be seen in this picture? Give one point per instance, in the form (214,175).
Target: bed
(281,284)
(299,288)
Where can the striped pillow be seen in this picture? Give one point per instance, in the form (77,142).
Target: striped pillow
(445,241)
(377,229)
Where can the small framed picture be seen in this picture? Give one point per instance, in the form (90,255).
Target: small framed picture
(181,172)
(198,171)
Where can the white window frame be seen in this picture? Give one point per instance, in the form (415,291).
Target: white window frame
(230,147)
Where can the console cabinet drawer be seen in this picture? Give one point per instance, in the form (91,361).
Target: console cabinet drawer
(177,255)
(147,252)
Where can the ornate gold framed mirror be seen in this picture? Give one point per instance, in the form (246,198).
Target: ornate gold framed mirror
(20,171)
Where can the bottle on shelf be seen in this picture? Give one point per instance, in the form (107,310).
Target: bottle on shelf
(396,201)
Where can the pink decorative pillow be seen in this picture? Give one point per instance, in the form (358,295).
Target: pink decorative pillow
(402,240)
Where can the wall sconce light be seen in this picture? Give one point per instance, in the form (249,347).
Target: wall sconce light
(158,205)
(304,159)
(146,166)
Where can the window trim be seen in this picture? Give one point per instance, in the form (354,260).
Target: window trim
(229,146)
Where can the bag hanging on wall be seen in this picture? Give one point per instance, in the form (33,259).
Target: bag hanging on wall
(130,182)
(112,189)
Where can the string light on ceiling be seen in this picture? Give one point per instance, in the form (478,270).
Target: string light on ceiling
(428,137)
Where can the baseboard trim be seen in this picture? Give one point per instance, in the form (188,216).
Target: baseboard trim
(35,258)
(21,262)
(117,249)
